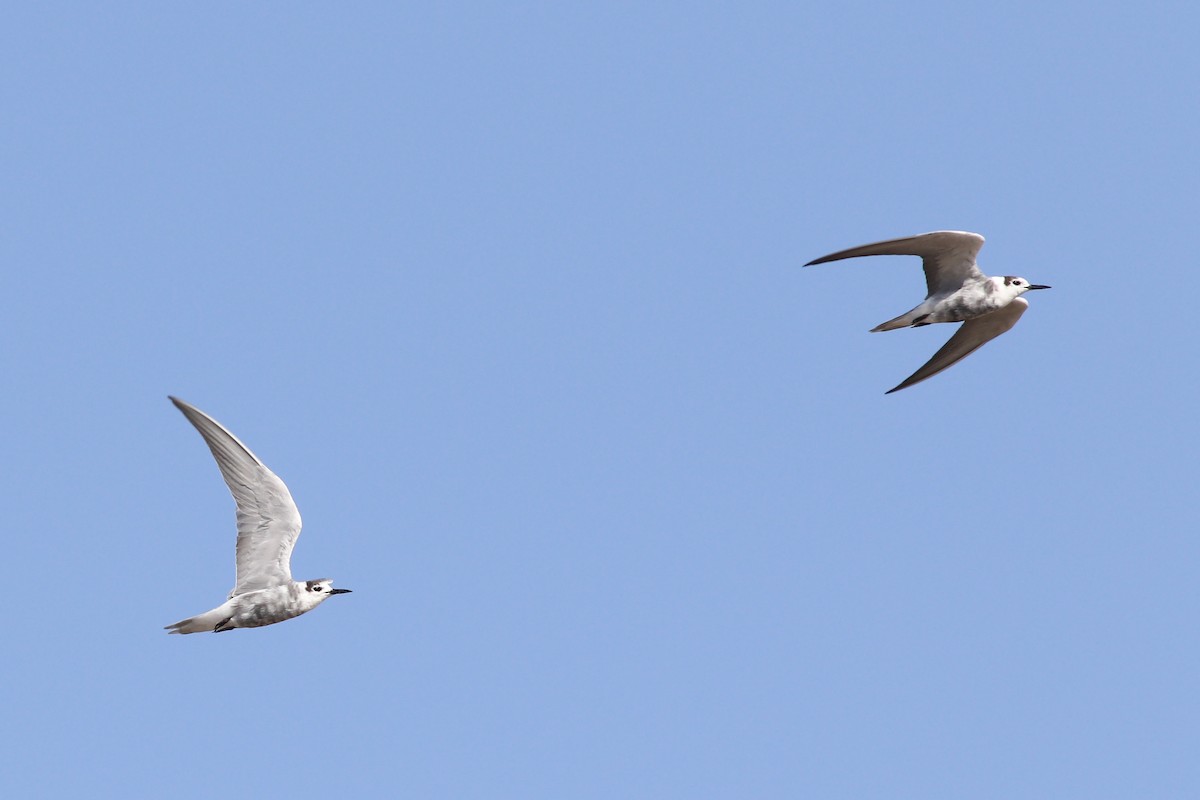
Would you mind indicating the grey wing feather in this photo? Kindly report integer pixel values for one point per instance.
(947, 256)
(268, 521)
(971, 335)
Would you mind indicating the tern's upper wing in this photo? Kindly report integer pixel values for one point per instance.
(971, 335)
(268, 521)
(948, 256)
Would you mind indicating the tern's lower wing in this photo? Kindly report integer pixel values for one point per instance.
(948, 256)
(971, 335)
(268, 521)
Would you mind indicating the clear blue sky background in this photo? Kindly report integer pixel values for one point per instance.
(511, 296)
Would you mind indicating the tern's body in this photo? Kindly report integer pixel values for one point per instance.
(268, 524)
(255, 609)
(957, 292)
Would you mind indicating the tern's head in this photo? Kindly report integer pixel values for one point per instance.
(1019, 286)
(322, 588)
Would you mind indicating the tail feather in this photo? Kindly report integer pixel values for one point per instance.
(905, 320)
(201, 623)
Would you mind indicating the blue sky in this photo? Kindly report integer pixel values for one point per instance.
(511, 296)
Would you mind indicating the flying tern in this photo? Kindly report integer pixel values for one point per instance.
(268, 524)
(957, 292)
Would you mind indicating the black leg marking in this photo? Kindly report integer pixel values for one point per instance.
(224, 625)
(918, 323)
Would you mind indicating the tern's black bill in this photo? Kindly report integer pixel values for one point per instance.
(339, 591)
(1039, 286)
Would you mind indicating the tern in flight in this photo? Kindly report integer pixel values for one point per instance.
(268, 523)
(958, 292)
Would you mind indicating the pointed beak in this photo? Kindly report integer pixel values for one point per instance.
(339, 591)
(1038, 286)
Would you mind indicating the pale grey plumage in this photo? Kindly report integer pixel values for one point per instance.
(957, 291)
(268, 521)
(972, 335)
(268, 525)
(947, 256)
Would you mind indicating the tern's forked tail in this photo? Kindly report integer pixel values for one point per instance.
(201, 623)
(905, 320)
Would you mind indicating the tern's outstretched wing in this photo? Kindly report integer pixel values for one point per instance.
(268, 521)
(971, 335)
(948, 256)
